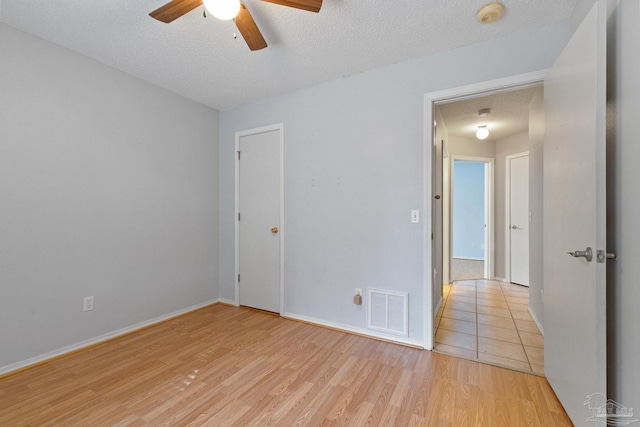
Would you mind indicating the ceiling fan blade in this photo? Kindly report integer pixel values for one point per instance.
(249, 30)
(310, 5)
(174, 9)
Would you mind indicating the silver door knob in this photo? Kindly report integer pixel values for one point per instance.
(587, 254)
(514, 227)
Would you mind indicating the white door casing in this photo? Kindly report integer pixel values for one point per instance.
(575, 218)
(259, 218)
(517, 196)
(430, 99)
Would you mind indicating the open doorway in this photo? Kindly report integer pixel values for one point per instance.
(471, 218)
(482, 316)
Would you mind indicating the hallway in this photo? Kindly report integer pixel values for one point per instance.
(489, 321)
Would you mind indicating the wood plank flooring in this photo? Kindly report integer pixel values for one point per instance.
(230, 366)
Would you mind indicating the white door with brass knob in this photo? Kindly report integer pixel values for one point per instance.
(258, 231)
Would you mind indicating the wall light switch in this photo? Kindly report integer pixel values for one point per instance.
(415, 216)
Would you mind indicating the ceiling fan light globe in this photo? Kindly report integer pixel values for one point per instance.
(222, 9)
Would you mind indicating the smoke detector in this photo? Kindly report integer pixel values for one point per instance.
(490, 12)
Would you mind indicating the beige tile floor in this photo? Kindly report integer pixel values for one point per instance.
(489, 321)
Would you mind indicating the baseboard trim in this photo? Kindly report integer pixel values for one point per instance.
(535, 319)
(500, 279)
(65, 351)
(435, 313)
(354, 330)
(227, 302)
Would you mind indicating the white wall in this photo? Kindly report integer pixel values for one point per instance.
(623, 196)
(354, 170)
(473, 147)
(580, 11)
(108, 187)
(504, 147)
(536, 143)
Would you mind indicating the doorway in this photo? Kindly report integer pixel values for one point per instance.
(259, 219)
(471, 218)
(435, 295)
(482, 316)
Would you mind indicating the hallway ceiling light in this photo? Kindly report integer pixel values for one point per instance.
(482, 132)
(490, 12)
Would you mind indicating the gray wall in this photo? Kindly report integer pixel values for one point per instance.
(536, 142)
(504, 147)
(360, 141)
(108, 188)
(623, 196)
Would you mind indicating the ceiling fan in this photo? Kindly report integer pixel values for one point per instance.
(230, 9)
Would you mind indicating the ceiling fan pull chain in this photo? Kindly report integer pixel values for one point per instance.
(204, 13)
(235, 36)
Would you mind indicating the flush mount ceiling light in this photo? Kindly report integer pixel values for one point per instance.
(222, 9)
(490, 12)
(482, 132)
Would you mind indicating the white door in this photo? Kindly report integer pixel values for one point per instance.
(518, 167)
(574, 218)
(259, 213)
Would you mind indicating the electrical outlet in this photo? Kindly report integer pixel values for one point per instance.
(87, 304)
(358, 291)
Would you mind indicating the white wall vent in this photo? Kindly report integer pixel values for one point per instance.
(388, 311)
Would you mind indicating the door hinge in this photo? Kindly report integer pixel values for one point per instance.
(238, 216)
(238, 278)
(238, 155)
(431, 236)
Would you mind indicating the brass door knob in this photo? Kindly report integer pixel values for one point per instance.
(274, 230)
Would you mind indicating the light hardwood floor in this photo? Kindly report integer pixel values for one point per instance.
(224, 365)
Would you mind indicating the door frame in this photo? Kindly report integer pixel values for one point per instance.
(275, 127)
(488, 209)
(475, 90)
(507, 205)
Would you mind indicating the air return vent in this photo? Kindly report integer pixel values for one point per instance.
(388, 311)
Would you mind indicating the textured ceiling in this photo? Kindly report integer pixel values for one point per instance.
(199, 58)
(509, 114)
